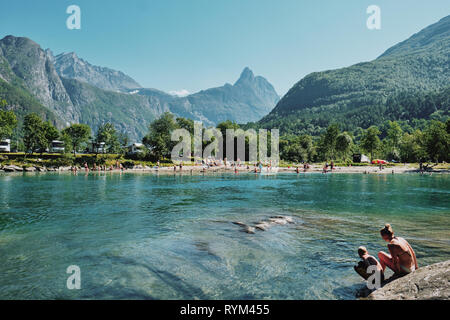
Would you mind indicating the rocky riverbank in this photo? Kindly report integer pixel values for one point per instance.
(427, 283)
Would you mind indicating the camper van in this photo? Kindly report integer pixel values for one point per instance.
(57, 147)
(96, 147)
(360, 158)
(5, 145)
(136, 148)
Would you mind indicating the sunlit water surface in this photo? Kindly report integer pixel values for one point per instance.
(138, 236)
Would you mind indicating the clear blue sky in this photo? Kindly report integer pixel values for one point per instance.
(197, 44)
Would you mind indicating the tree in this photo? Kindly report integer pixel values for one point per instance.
(394, 137)
(344, 144)
(107, 133)
(50, 132)
(77, 134)
(158, 139)
(437, 141)
(370, 140)
(124, 141)
(297, 148)
(187, 124)
(411, 147)
(34, 134)
(327, 142)
(8, 122)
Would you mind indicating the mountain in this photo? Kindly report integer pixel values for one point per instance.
(26, 66)
(249, 99)
(66, 89)
(69, 66)
(130, 114)
(22, 102)
(419, 64)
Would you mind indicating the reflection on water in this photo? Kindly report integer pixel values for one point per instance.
(171, 237)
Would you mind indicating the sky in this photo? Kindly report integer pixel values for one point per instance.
(190, 45)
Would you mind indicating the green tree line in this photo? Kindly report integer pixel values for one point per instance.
(390, 141)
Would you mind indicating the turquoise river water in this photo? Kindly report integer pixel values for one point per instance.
(144, 236)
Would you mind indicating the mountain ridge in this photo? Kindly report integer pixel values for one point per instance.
(412, 65)
(76, 91)
(69, 65)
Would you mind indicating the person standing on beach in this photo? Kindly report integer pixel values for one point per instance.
(401, 257)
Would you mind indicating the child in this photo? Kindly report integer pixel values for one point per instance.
(367, 260)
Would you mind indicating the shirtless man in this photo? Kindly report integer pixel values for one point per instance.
(401, 258)
(366, 261)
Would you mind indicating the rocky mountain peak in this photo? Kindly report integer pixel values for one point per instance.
(246, 76)
(69, 65)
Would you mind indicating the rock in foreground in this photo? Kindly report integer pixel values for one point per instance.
(427, 283)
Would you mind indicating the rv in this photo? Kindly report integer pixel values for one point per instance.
(5, 145)
(57, 146)
(136, 148)
(360, 158)
(96, 147)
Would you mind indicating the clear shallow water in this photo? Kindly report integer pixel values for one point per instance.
(171, 237)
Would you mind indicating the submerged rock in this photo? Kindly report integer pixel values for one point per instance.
(427, 283)
(264, 225)
(249, 229)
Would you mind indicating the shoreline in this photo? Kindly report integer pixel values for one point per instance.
(199, 170)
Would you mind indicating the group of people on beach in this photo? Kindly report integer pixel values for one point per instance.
(401, 258)
(96, 167)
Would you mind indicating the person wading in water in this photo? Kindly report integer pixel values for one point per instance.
(401, 257)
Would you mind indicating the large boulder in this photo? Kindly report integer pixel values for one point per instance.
(427, 283)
